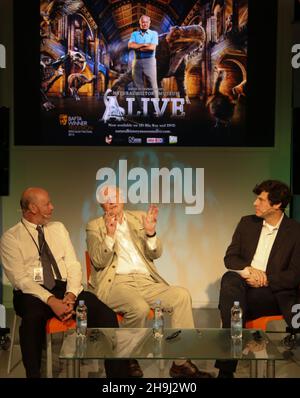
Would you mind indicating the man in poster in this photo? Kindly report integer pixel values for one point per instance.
(144, 42)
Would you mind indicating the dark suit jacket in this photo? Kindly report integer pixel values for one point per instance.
(283, 268)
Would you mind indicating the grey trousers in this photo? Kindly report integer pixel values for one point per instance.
(145, 67)
(134, 295)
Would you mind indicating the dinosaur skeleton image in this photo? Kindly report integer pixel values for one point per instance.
(113, 111)
(220, 106)
(51, 70)
(76, 81)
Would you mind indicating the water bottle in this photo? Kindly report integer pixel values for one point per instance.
(158, 322)
(237, 348)
(81, 318)
(236, 321)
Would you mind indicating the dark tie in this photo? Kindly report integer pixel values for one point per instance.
(47, 260)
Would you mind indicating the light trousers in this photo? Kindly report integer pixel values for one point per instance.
(133, 295)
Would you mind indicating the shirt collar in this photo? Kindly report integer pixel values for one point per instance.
(28, 224)
(272, 228)
(141, 32)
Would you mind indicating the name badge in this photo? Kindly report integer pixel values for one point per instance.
(38, 275)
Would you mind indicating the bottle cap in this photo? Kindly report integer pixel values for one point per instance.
(81, 302)
(158, 302)
(236, 303)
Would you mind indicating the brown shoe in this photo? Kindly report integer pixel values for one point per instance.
(188, 369)
(134, 369)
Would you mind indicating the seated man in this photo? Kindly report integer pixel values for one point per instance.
(264, 262)
(40, 262)
(122, 246)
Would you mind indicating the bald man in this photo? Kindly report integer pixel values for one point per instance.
(39, 296)
(144, 42)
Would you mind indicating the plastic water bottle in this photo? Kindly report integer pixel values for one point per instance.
(158, 322)
(236, 321)
(237, 348)
(81, 318)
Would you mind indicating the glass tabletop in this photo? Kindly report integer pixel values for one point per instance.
(113, 343)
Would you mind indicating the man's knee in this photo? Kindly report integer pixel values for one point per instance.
(140, 309)
(34, 321)
(231, 279)
(181, 295)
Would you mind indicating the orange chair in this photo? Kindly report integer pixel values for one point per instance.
(120, 316)
(262, 322)
(53, 325)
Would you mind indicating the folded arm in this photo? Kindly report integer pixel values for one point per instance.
(141, 47)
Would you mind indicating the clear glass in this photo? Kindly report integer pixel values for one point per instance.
(189, 343)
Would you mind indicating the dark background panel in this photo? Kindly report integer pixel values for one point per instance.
(4, 151)
(297, 10)
(262, 25)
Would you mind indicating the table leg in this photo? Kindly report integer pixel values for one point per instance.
(271, 368)
(77, 368)
(161, 367)
(70, 371)
(253, 369)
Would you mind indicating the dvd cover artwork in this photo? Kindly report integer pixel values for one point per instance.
(191, 86)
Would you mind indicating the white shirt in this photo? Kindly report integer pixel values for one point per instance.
(20, 256)
(129, 259)
(265, 243)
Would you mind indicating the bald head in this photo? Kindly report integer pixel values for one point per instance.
(145, 22)
(145, 17)
(36, 205)
(111, 199)
(110, 193)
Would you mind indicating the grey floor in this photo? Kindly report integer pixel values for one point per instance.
(203, 318)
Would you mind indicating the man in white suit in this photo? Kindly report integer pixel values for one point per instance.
(122, 246)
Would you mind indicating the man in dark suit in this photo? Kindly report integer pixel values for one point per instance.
(263, 261)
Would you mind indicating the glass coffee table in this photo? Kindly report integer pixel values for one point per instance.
(200, 344)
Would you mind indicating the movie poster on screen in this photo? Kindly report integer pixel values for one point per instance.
(95, 90)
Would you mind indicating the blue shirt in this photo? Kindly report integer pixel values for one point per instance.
(149, 37)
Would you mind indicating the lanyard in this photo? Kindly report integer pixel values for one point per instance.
(36, 245)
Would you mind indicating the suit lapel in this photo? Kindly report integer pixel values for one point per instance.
(279, 241)
(253, 239)
(102, 229)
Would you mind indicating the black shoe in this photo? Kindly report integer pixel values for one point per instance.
(134, 369)
(224, 374)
